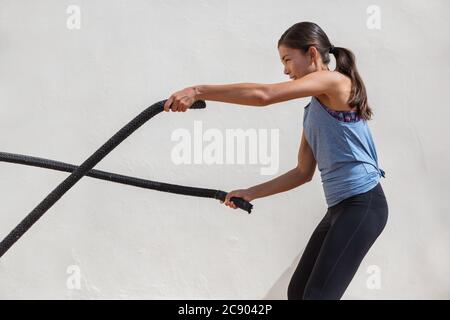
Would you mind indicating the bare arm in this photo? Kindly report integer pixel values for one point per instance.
(239, 93)
(312, 84)
(303, 173)
(291, 179)
(258, 94)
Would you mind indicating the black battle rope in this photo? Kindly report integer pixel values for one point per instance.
(86, 169)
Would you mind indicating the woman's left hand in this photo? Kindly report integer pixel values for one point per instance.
(245, 194)
(181, 100)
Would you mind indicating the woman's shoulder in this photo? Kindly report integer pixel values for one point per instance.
(337, 98)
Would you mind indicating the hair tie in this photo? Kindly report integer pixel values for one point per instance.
(332, 49)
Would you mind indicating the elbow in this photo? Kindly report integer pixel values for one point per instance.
(304, 177)
(263, 97)
(262, 100)
(309, 176)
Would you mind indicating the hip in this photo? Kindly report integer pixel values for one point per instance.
(375, 198)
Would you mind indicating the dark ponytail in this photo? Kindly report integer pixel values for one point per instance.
(303, 35)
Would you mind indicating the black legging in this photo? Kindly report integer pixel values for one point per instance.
(338, 245)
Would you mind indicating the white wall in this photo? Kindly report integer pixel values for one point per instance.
(64, 92)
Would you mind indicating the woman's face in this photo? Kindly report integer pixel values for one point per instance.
(296, 63)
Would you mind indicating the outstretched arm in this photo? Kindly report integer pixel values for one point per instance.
(313, 84)
(256, 94)
(251, 94)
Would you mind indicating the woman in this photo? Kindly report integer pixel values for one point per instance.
(335, 137)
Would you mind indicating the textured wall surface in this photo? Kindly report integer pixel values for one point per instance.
(74, 72)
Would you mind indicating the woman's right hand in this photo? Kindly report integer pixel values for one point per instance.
(245, 194)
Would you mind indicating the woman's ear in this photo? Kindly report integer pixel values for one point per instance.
(312, 53)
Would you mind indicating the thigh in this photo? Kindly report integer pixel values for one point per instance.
(355, 225)
(301, 274)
